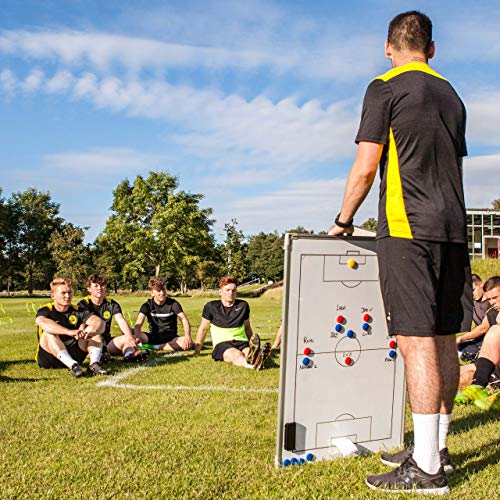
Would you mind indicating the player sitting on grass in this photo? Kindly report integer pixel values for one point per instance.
(162, 313)
(489, 355)
(469, 343)
(97, 303)
(229, 321)
(66, 335)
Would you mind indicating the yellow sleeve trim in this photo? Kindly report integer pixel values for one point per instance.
(395, 209)
(413, 66)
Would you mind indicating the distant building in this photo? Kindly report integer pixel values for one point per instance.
(483, 233)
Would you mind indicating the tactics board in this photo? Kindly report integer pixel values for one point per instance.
(341, 374)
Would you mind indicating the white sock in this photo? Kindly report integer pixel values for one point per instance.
(248, 365)
(65, 358)
(426, 431)
(128, 352)
(157, 347)
(95, 355)
(444, 424)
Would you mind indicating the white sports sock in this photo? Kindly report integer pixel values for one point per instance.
(444, 424)
(65, 358)
(426, 453)
(95, 355)
(157, 347)
(128, 352)
(248, 365)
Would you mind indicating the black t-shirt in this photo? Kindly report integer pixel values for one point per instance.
(479, 309)
(492, 315)
(70, 319)
(418, 117)
(105, 311)
(226, 317)
(162, 319)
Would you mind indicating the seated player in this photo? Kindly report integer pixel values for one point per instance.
(230, 329)
(162, 313)
(277, 340)
(66, 335)
(97, 303)
(489, 355)
(469, 343)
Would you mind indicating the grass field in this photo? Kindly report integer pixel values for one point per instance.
(180, 427)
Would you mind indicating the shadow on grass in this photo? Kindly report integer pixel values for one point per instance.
(7, 364)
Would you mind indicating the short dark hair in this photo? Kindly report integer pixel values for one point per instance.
(227, 280)
(476, 278)
(157, 284)
(493, 282)
(411, 30)
(96, 278)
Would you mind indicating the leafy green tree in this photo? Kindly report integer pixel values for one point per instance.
(496, 204)
(4, 225)
(370, 224)
(35, 218)
(72, 258)
(234, 251)
(154, 229)
(266, 254)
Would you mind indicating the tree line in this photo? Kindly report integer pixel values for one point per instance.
(155, 229)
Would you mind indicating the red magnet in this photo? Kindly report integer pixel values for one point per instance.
(367, 317)
(307, 351)
(340, 319)
(348, 360)
(392, 344)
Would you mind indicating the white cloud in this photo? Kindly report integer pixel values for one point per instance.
(33, 81)
(60, 82)
(483, 111)
(8, 81)
(482, 180)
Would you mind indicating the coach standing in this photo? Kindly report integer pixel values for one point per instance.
(413, 124)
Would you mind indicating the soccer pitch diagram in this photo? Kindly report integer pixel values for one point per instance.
(342, 377)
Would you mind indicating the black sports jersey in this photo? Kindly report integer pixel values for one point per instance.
(70, 319)
(226, 317)
(105, 311)
(492, 315)
(420, 119)
(162, 319)
(479, 309)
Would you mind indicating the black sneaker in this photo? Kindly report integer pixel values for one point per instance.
(261, 357)
(396, 459)
(96, 369)
(136, 356)
(254, 349)
(77, 370)
(409, 477)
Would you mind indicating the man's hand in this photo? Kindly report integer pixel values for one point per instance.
(197, 349)
(185, 342)
(340, 231)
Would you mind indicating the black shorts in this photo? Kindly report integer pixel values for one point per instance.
(161, 338)
(47, 360)
(220, 349)
(426, 286)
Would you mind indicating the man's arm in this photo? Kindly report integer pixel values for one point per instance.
(185, 342)
(93, 326)
(200, 336)
(359, 183)
(475, 332)
(138, 324)
(50, 326)
(124, 326)
(248, 328)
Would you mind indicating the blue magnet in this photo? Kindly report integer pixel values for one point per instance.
(306, 361)
(350, 334)
(338, 327)
(286, 462)
(294, 461)
(301, 461)
(366, 326)
(392, 353)
(309, 457)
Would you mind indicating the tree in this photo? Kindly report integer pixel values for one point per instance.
(234, 251)
(266, 254)
(71, 257)
(155, 229)
(496, 204)
(4, 225)
(35, 218)
(369, 224)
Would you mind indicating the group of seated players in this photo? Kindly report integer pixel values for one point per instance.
(68, 333)
(481, 348)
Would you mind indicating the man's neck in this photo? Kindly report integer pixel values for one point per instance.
(402, 58)
(227, 304)
(96, 300)
(158, 303)
(60, 308)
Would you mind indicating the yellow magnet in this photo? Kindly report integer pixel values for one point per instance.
(352, 263)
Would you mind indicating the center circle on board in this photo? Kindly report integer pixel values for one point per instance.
(347, 348)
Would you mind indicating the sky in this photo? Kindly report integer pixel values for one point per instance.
(254, 104)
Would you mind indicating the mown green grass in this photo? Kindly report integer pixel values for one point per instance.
(61, 437)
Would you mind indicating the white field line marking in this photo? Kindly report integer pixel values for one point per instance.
(116, 379)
